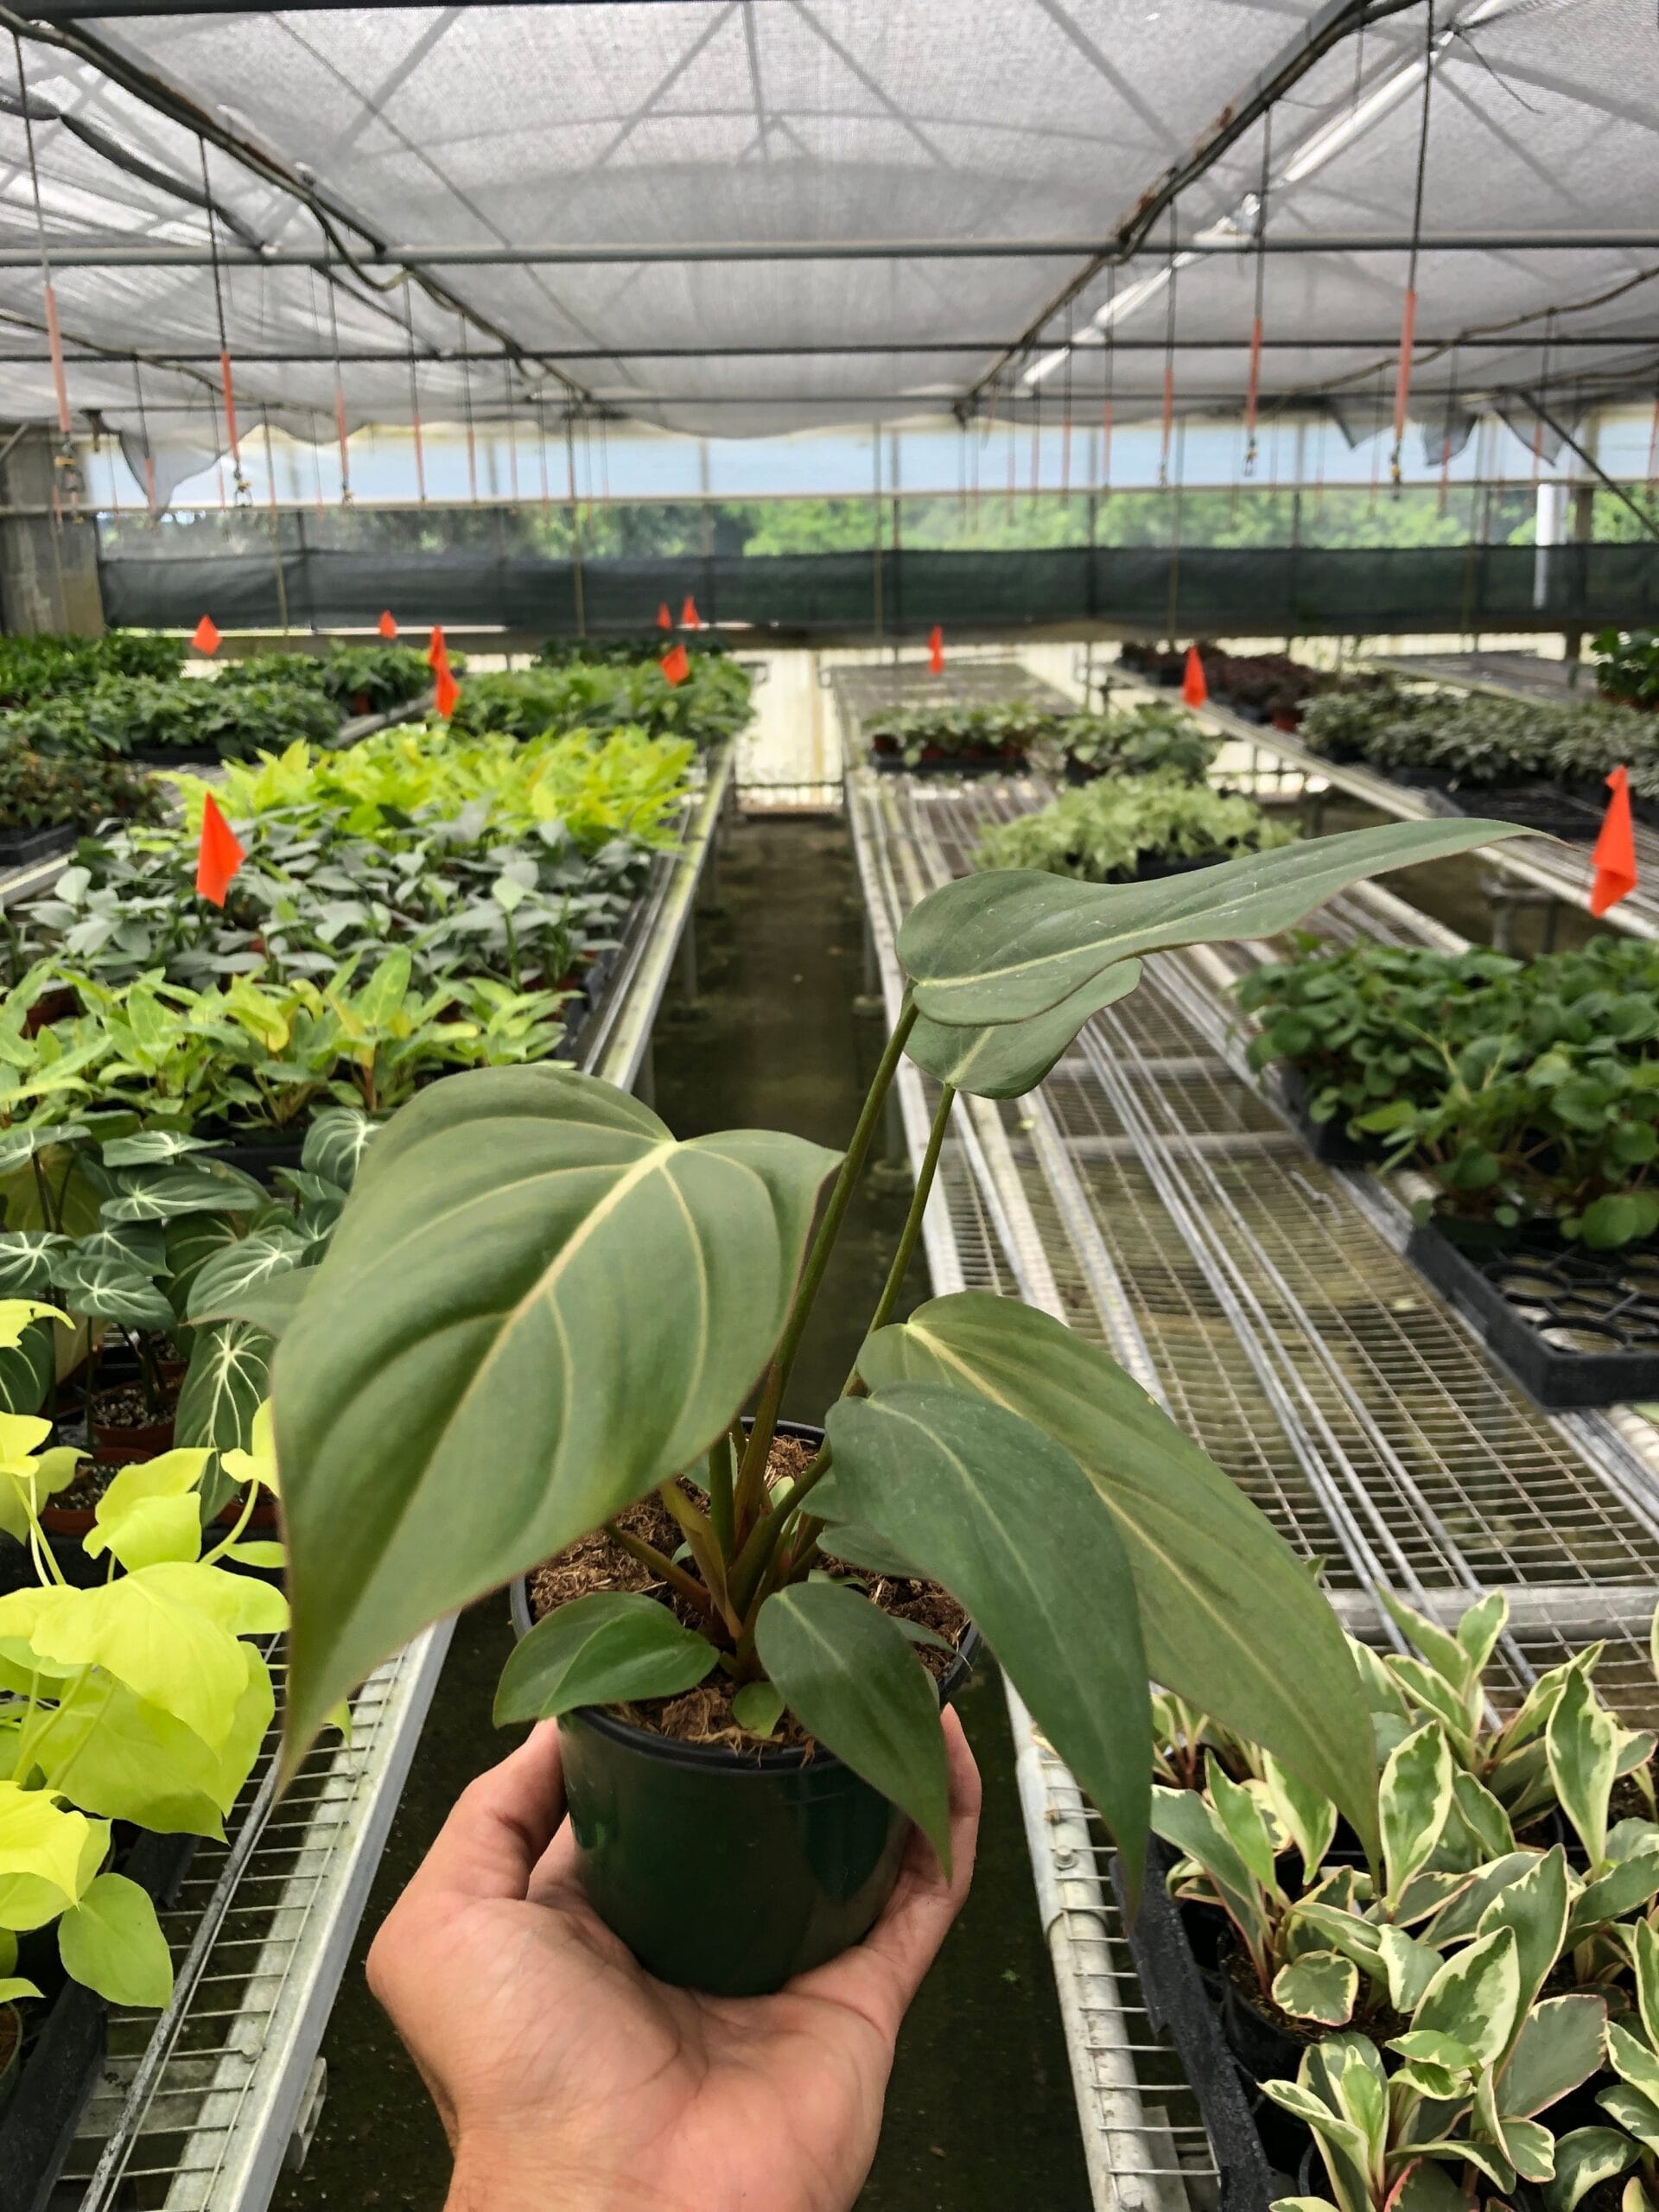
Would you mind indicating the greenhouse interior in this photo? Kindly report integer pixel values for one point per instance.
(980, 688)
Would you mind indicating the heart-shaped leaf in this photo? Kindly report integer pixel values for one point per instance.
(256, 1259)
(605, 1649)
(335, 1144)
(1231, 1618)
(224, 1385)
(852, 1680)
(990, 1506)
(1006, 945)
(536, 1304)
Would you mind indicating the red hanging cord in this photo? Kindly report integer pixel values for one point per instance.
(1408, 312)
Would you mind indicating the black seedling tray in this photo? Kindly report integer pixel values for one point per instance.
(64, 2055)
(1179, 2005)
(1526, 1296)
(951, 764)
(18, 847)
(1327, 1140)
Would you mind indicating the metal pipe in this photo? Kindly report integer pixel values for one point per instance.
(113, 253)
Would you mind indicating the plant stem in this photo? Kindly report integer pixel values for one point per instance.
(757, 1555)
(720, 1494)
(662, 1567)
(913, 1228)
(699, 1536)
(751, 1483)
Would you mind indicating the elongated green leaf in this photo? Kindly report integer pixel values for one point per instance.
(113, 1942)
(1187, 1819)
(605, 1649)
(1585, 2157)
(225, 1384)
(151, 1147)
(1644, 1956)
(1011, 1057)
(853, 1680)
(1583, 1742)
(1623, 1890)
(1306, 1816)
(1414, 1800)
(1004, 946)
(1535, 1908)
(1232, 1620)
(1011, 1525)
(165, 1194)
(1241, 1816)
(1558, 2046)
(536, 1304)
(1410, 1967)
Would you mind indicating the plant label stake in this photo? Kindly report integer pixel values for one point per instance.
(1614, 857)
(218, 855)
(936, 650)
(1195, 692)
(205, 637)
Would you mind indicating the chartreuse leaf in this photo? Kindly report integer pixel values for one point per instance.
(605, 1649)
(1583, 1744)
(1006, 945)
(150, 1512)
(1232, 1621)
(113, 1942)
(1476, 1996)
(17, 1314)
(536, 1304)
(44, 1852)
(1585, 2157)
(854, 1682)
(1012, 1058)
(1318, 1985)
(1414, 1802)
(757, 1706)
(994, 1510)
(1558, 2046)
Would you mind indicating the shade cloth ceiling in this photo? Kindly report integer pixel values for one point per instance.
(749, 123)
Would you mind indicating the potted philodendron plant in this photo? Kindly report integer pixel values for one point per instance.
(535, 1335)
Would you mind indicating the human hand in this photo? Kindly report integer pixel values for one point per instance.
(569, 2080)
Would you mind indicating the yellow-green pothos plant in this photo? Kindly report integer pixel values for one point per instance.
(539, 1307)
(141, 1698)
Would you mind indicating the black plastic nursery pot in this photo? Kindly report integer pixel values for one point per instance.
(722, 1870)
(1327, 1140)
(18, 847)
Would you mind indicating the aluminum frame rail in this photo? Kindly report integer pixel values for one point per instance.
(1150, 1197)
(200, 2109)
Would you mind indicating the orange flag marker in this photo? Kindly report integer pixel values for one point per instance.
(936, 650)
(205, 637)
(1194, 690)
(688, 616)
(664, 620)
(676, 663)
(1614, 857)
(437, 653)
(386, 627)
(448, 691)
(219, 854)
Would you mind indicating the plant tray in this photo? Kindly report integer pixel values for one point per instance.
(1179, 2006)
(18, 847)
(951, 764)
(1578, 1329)
(1327, 1140)
(177, 756)
(64, 2057)
(1548, 808)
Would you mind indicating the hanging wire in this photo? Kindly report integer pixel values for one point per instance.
(1377, 424)
(66, 469)
(466, 404)
(144, 433)
(340, 393)
(1653, 447)
(1169, 353)
(1543, 397)
(1252, 388)
(1011, 459)
(415, 394)
(1111, 384)
(244, 490)
(1066, 418)
(1446, 439)
(541, 447)
(512, 441)
(1036, 443)
(1408, 311)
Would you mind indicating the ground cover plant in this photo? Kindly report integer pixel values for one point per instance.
(125, 715)
(46, 667)
(1525, 1091)
(1137, 740)
(710, 703)
(1476, 739)
(915, 734)
(44, 790)
(359, 679)
(612, 1302)
(1111, 830)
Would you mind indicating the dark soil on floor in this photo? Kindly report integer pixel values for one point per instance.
(980, 2116)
